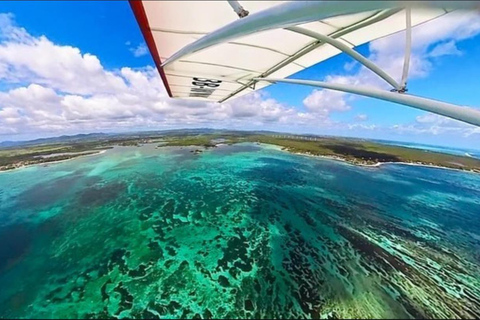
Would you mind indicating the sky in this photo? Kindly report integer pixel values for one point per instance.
(69, 67)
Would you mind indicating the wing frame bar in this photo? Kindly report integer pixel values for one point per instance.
(408, 49)
(377, 16)
(237, 7)
(298, 12)
(352, 53)
(465, 114)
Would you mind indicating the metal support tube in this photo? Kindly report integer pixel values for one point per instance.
(298, 12)
(408, 49)
(464, 114)
(239, 10)
(366, 22)
(352, 53)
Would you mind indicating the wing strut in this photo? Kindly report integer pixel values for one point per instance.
(408, 49)
(465, 114)
(297, 12)
(371, 19)
(352, 53)
(237, 7)
(342, 47)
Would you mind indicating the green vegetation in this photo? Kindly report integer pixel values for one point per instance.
(57, 149)
(200, 140)
(19, 157)
(355, 151)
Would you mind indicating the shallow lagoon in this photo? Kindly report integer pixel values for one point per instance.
(237, 231)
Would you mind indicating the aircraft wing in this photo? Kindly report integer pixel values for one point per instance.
(227, 69)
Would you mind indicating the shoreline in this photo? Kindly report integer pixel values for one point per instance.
(55, 161)
(344, 160)
(379, 164)
(279, 148)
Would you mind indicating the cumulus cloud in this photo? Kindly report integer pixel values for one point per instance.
(444, 49)
(363, 126)
(28, 59)
(140, 50)
(66, 90)
(434, 124)
(361, 117)
(324, 102)
(349, 66)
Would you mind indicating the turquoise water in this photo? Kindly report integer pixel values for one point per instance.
(237, 231)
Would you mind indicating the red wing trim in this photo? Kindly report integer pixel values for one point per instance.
(142, 20)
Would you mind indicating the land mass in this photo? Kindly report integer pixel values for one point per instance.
(355, 151)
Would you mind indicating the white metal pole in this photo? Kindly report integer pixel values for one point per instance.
(346, 49)
(465, 114)
(237, 7)
(298, 12)
(408, 48)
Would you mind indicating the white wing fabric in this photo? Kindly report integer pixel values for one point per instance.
(226, 70)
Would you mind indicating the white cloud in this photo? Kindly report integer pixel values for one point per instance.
(433, 124)
(66, 90)
(24, 58)
(362, 126)
(323, 102)
(436, 124)
(140, 50)
(259, 105)
(444, 49)
(361, 117)
(349, 66)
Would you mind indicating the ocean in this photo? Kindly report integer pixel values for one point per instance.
(241, 231)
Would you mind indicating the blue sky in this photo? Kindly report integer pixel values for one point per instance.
(86, 56)
(98, 27)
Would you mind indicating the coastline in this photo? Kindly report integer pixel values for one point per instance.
(354, 163)
(53, 162)
(279, 148)
(378, 164)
